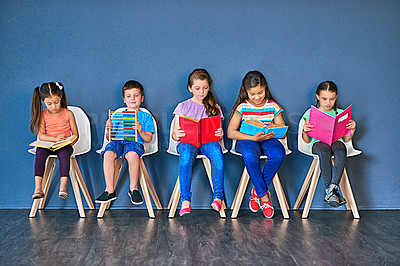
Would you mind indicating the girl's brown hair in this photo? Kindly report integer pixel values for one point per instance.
(326, 86)
(39, 94)
(209, 101)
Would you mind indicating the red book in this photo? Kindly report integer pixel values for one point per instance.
(199, 132)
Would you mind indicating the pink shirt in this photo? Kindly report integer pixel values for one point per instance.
(56, 125)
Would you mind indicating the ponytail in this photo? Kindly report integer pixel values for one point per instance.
(36, 110)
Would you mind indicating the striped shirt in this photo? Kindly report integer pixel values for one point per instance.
(266, 113)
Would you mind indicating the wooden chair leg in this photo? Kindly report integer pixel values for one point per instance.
(281, 196)
(48, 176)
(77, 192)
(311, 191)
(174, 199)
(207, 166)
(146, 195)
(237, 201)
(306, 185)
(82, 183)
(150, 185)
(173, 192)
(345, 186)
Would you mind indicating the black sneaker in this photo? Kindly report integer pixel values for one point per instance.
(106, 197)
(331, 197)
(340, 198)
(135, 196)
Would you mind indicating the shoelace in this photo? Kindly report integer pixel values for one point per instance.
(255, 199)
(266, 205)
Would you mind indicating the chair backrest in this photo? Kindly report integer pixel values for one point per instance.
(305, 147)
(149, 148)
(173, 143)
(283, 141)
(83, 145)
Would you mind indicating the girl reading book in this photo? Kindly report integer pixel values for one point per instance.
(53, 124)
(201, 105)
(256, 102)
(326, 97)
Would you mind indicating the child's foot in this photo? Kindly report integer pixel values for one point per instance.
(186, 208)
(38, 195)
(216, 205)
(267, 208)
(331, 196)
(106, 197)
(135, 196)
(62, 194)
(254, 203)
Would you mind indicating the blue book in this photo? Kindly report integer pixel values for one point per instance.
(252, 127)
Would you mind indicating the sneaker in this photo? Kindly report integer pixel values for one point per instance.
(185, 211)
(106, 197)
(135, 196)
(216, 206)
(267, 208)
(331, 196)
(340, 198)
(254, 203)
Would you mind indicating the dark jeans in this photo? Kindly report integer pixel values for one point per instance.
(63, 155)
(325, 152)
(251, 152)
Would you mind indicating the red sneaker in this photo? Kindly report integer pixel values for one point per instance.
(267, 208)
(254, 203)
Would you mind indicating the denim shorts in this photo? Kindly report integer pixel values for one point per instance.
(120, 148)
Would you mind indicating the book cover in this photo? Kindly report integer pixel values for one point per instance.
(53, 146)
(199, 132)
(327, 128)
(252, 127)
(123, 122)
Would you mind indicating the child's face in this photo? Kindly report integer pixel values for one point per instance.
(133, 98)
(200, 89)
(256, 95)
(326, 100)
(53, 103)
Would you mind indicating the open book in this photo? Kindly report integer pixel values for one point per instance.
(123, 122)
(327, 128)
(199, 132)
(53, 146)
(252, 127)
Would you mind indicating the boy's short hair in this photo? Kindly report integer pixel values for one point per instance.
(131, 84)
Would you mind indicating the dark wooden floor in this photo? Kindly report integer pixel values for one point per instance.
(129, 237)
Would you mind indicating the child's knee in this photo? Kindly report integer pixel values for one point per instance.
(132, 156)
(109, 156)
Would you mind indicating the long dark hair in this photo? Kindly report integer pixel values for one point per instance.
(326, 86)
(39, 94)
(209, 102)
(252, 79)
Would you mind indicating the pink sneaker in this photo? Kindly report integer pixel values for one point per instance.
(254, 203)
(185, 211)
(216, 206)
(267, 208)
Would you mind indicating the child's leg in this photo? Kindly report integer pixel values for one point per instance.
(324, 153)
(40, 161)
(213, 151)
(275, 153)
(109, 168)
(133, 164)
(251, 152)
(187, 154)
(339, 151)
(64, 155)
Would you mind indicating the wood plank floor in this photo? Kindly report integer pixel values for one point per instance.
(129, 237)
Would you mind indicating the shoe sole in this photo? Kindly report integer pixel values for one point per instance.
(105, 201)
(332, 203)
(133, 202)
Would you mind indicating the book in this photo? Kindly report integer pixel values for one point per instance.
(53, 146)
(252, 127)
(123, 122)
(327, 128)
(199, 132)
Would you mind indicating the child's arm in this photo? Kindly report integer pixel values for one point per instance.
(352, 126)
(42, 134)
(234, 133)
(109, 126)
(74, 128)
(146, 136)
(177, 133)
(307, 127)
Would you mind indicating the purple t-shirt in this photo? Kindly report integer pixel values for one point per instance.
(193, 110)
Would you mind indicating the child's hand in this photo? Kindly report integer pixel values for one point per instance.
(137, 126)
(307, 127)
(261, 136)
(60, 137)
(351, 125)
(219, 132)
(179, 133)
(109, 124)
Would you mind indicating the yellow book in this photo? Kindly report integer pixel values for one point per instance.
(53, 146)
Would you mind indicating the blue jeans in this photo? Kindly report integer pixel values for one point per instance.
(325, 153)
(251, 152)
(187, 154)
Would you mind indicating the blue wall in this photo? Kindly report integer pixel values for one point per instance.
(93, 47)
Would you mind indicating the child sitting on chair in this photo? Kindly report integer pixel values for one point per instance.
(132, 93)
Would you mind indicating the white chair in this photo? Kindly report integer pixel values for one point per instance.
(244, 180)
(144, 179)
(174, 200)
(311, 180)
(82, 146)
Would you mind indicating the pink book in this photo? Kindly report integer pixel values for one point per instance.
(329, 129)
